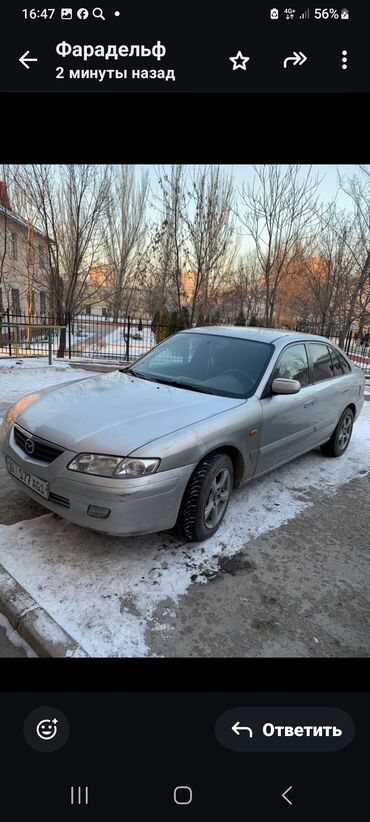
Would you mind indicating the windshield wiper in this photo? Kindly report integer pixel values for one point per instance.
(172, 382)
(188, 386)
(136, 374)
(128, 370)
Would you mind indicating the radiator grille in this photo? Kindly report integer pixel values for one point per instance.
(43, 451)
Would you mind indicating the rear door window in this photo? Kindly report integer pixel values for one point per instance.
(344, 363)
(337, 366)
(321, 362)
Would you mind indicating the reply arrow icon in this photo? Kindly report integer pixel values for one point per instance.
(237, 728)
(25, 59)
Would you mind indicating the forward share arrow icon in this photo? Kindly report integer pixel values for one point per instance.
(297, 59)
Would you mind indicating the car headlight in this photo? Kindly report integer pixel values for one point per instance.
(103, 466)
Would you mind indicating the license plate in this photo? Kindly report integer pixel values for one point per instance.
(35, 483)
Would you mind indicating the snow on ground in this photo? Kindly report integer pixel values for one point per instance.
(17, 377)
(31, 362)
(14, 638)
(115, 342)
(105, 590)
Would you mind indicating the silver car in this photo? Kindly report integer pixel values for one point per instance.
(164, 442)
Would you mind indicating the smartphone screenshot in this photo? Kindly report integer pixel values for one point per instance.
(184, 411)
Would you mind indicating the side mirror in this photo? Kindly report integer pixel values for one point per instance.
(283, 386)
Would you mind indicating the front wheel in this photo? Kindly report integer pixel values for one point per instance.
(206, 498)
(340, 439)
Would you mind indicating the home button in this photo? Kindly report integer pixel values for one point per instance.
(183, 795)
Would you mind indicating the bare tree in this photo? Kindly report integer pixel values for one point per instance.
(125, 236)
(5, 207)
(358, 299)
(169, 246)
(246, 286)
(211, 239)
(194, 244)
(329, 274)
(281, 207)
(69, 202)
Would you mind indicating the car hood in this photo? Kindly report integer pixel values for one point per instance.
(115, 413)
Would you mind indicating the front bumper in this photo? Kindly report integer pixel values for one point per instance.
(137, 506)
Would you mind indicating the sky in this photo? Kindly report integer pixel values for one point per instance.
(245, 173)
(328, 173)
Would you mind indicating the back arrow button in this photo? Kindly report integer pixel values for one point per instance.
(284, 795)
(25, 59)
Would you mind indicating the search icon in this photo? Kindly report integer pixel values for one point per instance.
(98, 13)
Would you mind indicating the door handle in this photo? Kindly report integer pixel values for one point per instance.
(308, 403)
(345, 391)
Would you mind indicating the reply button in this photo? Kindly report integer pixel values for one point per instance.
(284, 729)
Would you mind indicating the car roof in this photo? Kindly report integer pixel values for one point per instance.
(267, 335)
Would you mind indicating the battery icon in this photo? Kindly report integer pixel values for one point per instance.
(344, 15)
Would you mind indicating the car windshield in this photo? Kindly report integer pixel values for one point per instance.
(215, 364)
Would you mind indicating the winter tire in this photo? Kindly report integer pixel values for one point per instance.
(206, 498)
(340, 439)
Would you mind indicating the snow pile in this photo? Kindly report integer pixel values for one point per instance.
(31, 362)
(14, 638)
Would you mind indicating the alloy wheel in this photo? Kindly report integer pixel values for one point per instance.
(345, 431)
(218, 498)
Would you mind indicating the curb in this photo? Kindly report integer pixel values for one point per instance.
(33, 623)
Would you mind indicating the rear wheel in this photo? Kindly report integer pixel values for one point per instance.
(340, 439)
(206, 498)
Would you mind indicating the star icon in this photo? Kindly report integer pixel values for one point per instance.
(239, 61)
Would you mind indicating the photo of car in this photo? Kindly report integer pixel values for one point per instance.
(163, 443)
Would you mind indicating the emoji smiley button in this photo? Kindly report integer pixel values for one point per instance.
(46, 729)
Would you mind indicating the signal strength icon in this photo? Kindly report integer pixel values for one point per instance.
(305, 15)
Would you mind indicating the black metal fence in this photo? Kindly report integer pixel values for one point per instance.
(357, 347)
(90, 336)
(107, 338)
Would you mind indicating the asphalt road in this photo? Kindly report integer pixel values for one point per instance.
(300, 590)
